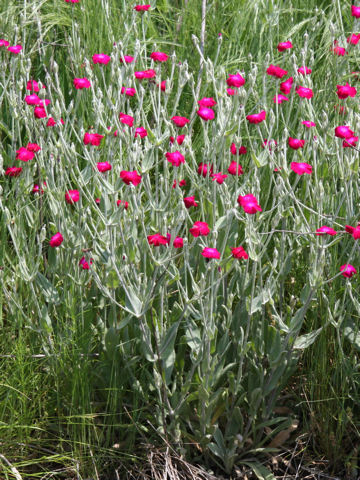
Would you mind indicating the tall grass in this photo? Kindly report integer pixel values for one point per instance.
(157, 344)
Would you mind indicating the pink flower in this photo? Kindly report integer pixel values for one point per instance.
(235, 169)
(72, 196)
(344, 91)
(142, 8)
(127, 59)
(157, 239)
(308, 124)
(15, 49)
(218, 177)
(235, 80)
(269, 144)
(180, 121)
(340, 51)
(178, 242)
(207, 102)
(140, 132)
(145, 74)
(4, 43)
(175, 158)
(284, 46)
(304, 92)
(231, 91)
(101, 58)
(190, 202)
(33, 85)
(33, 147)
(56, 240)
(24, 154)
(130, 177)
(285, 87)
(280, 98)
(237, 151)
(350, 142)
(301, 168)
(103, 166)
(353, 39)
(304, 70)
(51, 122)
(130, 92)
(123, 203)
(204, 169)
(206, 113)
(296, 143)
(80, 83)
(126, 119)
(239, 252)
(343, 131)
(249, 203)
(355, 11)
(39, 112)
(257, 117)
(325, 230)
(37, 189)
(32, 99)
(179, 139)
(159, 57)
(209, 252)
(275, 71)
(163, 86)
(199, 229)
(355, 231)
(93, 139)
(72, 1)
(84, 264)
(182, 183)
(348, 270)
(13, 171)
(44, 103)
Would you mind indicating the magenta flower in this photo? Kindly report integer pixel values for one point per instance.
(84, 264)
(308, 124)
(178, 242)
(204, 169)
(218, 177)
(301, 168)
(353, 39)
(80, 83)
(32, 99)
(325, 231)
(159, 57)
(249, 203)
(56, 240)
(235, 80)
(101, 58)
(304, 92)
(39, 112)
(182, 183)
(13, 171)
(190, 202)
(199, 229)
(127, 59)
(24, 154)
(179, 139)
(206, 113)
(209, 252)
(343, 131)
(257, 117)
(33, 85)
(103, 166)
(145, 74)
(163, 86)
(157, 239)
(180, 121)
(296, 143)
(235, 169)
(207, 102)
(350, 142)
(130, 177)
(142, 8)
(284, 46)
(280, 98)
(348, 270)
(175, 158)
(72, 196)
(285, 87)
(126, 119)
(123, 203)
(4, 43)
(140, 132)
(93, 139)
(44, 103)
(344, 91)
(33, 147)
(355, 11)
(231, 91)
(130, 92)
(276, 71)
(269, 144)
(239, 252)
(72, 1)
(237, 151)
(15, 49)
(304, 70)
(354, 231)
(51, 122)
(340, 51)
